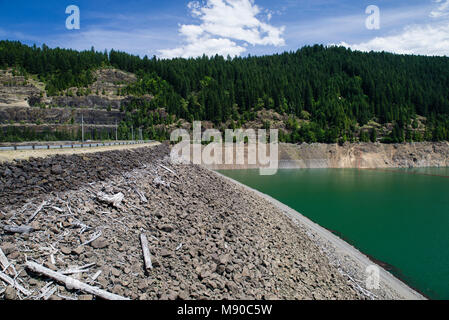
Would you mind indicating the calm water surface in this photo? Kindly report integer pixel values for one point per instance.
(400, 217)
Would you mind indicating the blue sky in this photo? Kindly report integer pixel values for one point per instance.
(237, 27)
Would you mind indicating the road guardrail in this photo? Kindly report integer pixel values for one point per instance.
(72, 145)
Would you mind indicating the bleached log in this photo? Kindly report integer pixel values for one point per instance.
(143, 199)
(5, 265)
(146, 252)
(87, 266)
(95, 237)
(75, 270)
(45, 290)
(96, 275)
(79, 224)
(71, 283)
(57, 209)
(50, 293)
(159, 182)
(364, 291)
(14, 284)
(3, 260)
(114, 200)
(68, 207)
(169, 170)
(39, 209)
(21, 229)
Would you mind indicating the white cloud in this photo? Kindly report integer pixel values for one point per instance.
(442, 10)
(430, 38)
(223, 23)
(205, 46)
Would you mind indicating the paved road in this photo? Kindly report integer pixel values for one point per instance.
(72, 146)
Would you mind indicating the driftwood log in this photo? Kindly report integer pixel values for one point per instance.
(146, 252)
(143, 199)
(168, 169)
(71, 283)
(43, 204)
(114, 200)
(14, 284)
(21, 229)
(4, 263)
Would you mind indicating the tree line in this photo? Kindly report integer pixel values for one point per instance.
(334, 90)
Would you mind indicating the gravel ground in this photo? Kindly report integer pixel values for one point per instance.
(209, 238)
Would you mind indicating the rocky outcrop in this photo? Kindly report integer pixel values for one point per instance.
(109, 80)
(15, 90)
(59, 115)
(91, 101)
(18, 93)
(25, 105)
(365, 155)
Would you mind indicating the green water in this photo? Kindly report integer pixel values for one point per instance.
(400, 217)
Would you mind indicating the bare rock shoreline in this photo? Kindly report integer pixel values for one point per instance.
(357, 155)
(367, 155)
(209, 238)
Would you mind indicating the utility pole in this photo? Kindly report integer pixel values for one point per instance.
(132, 133)
(140, 134)
(82, 128)
(116, 128)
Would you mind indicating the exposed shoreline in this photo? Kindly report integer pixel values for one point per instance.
(350, 260)
(355, 155)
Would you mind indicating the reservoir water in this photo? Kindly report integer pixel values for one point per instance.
(397, 216)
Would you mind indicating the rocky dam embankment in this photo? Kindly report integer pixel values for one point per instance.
(208, 237)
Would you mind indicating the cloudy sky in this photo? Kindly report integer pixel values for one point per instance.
(178, 28)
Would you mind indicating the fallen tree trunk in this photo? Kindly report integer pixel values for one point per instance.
(14, 284)
(22, 229)
(43, 204)
(146, 252)
(71, 283)
(4, 263)
(169, 170)
(114, 200)
(143, 199)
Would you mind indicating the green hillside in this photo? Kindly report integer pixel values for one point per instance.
(329, 94)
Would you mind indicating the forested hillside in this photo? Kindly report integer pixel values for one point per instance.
(331, 94)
